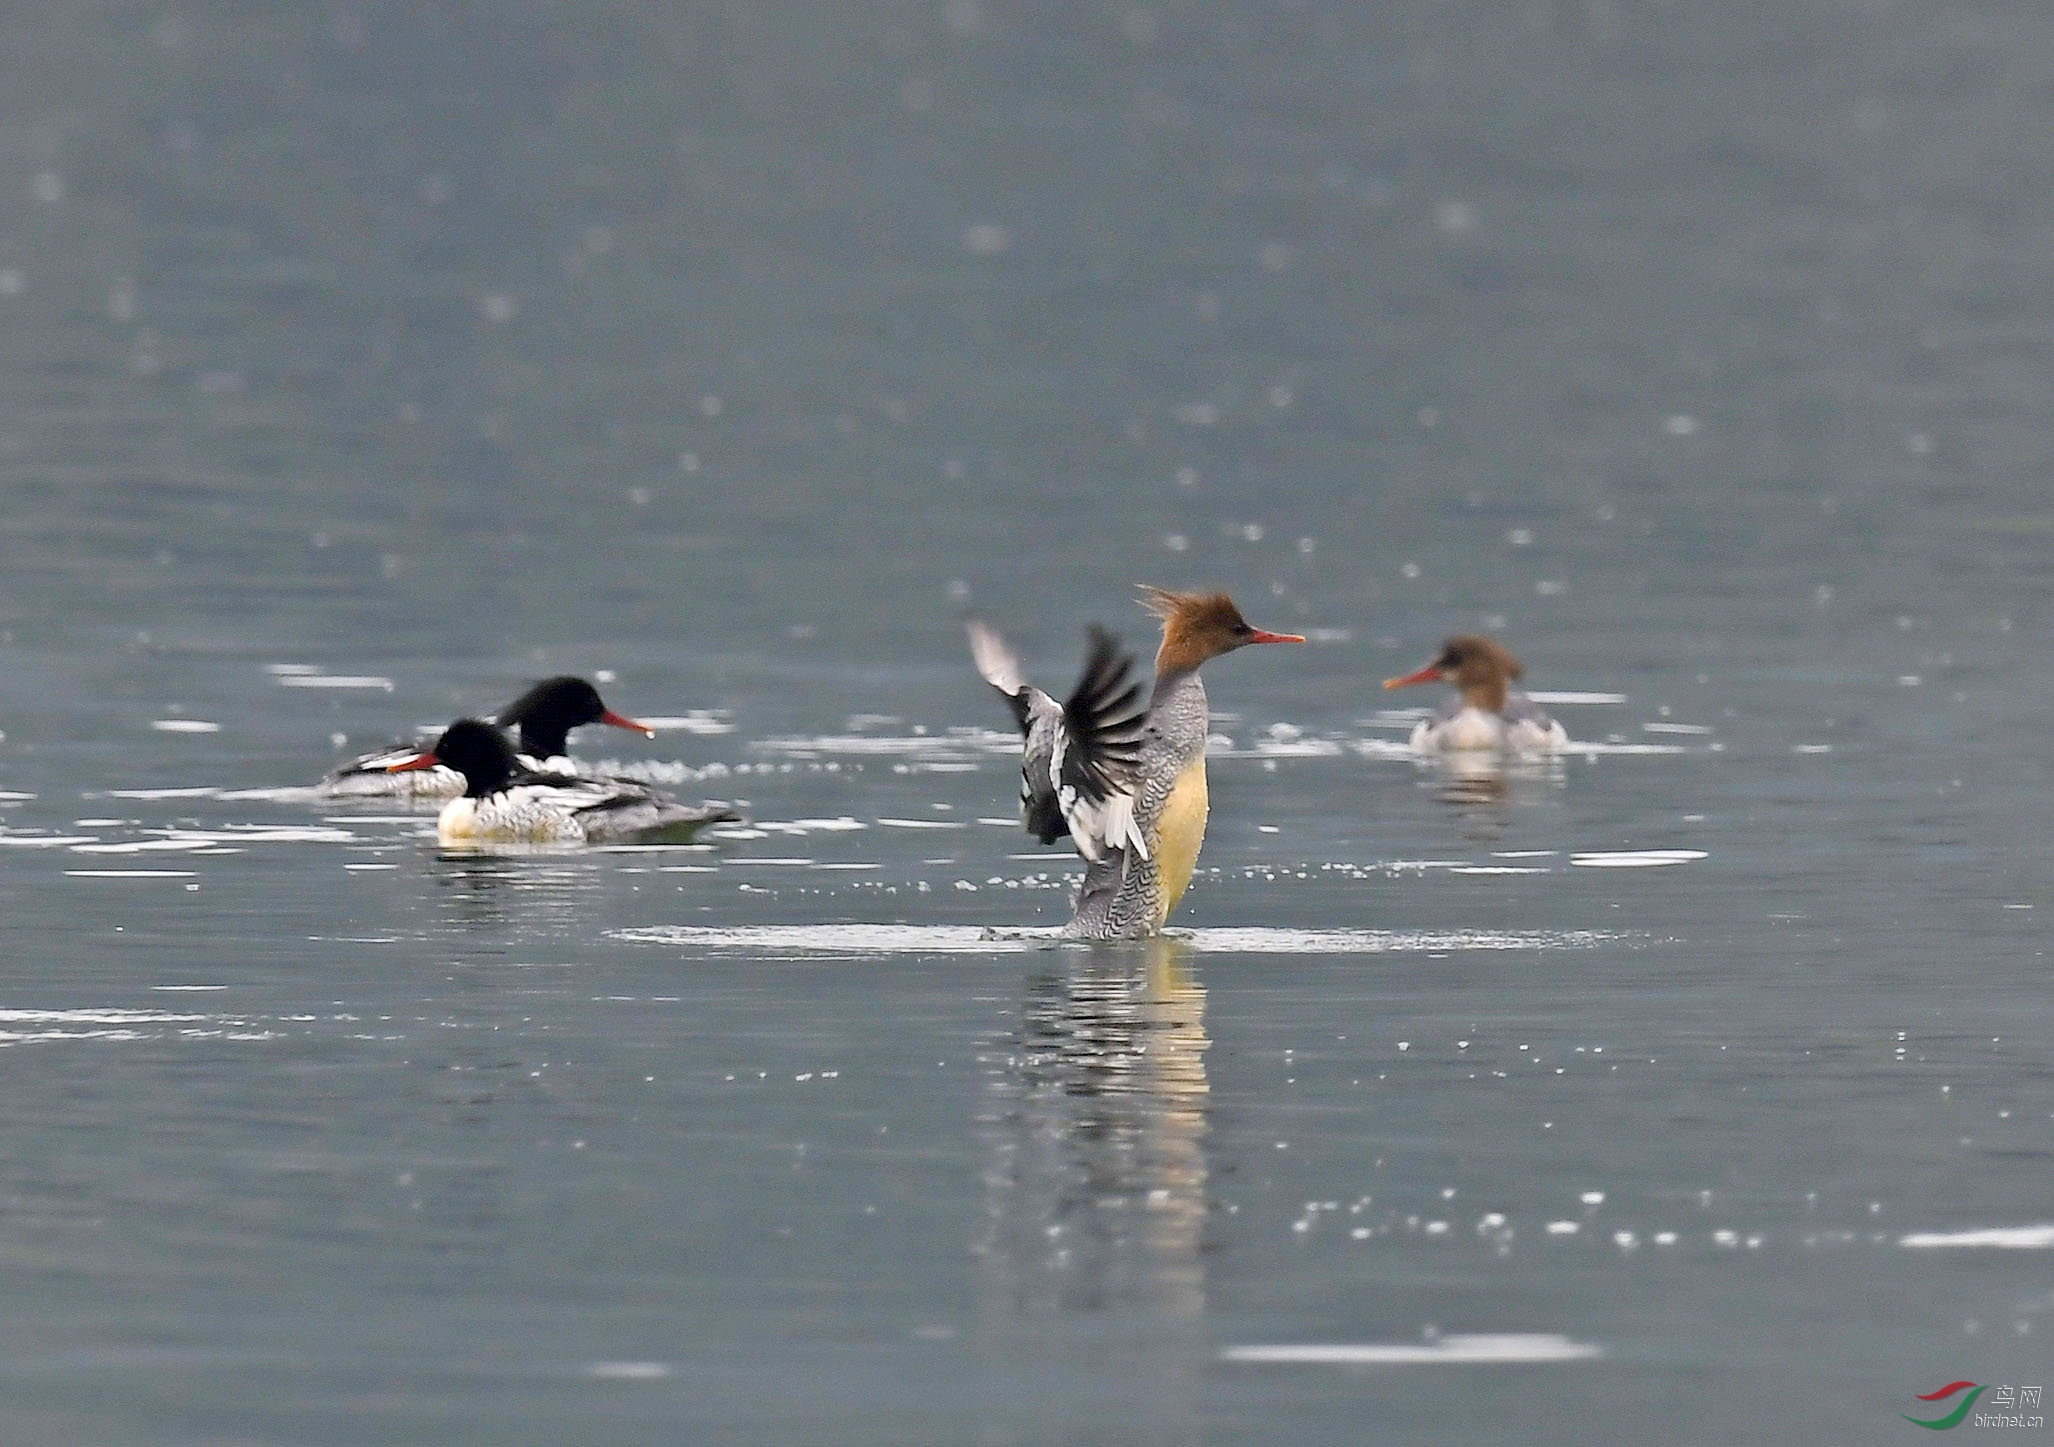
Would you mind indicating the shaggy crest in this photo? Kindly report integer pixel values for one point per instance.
(1193, 610)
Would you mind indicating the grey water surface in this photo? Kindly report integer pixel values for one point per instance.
(360, 363)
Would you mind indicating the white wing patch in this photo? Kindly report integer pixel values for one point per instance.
(1109, 824)
(1095, 826)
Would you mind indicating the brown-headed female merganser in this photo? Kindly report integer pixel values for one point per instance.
(505, 802)
(1126, 783)
(1486, 712)
(544, 716)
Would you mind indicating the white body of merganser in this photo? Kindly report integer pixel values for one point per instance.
(1124, 781)
(544, 716)
(505, 803)
(1487, 711)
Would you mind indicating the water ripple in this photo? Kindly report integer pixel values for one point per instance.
(885, 939)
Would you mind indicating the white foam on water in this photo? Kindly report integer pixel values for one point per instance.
(334, 680)
(955, 741)
(1284, 749)
(99, 1017)
(1498, 869)
(203, 792)
(142, 846)
(627, 1371)
(880, 939)
(39, 1027)
(1479, 1349)
(192, 840)
(268, 834)
(1381, 749)
(842, 825)
(2001, 1238)
(655, 771)
(701, 722)
(131, 873)
(1636, 858)
(1260, 941)
(922, 824)
(1594, 750)
(1570, 695)
(979, 940)
(43, 841)
(184, 726)
(291, 670)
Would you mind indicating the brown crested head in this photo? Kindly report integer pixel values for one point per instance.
(1198, 626)
(1483, 669)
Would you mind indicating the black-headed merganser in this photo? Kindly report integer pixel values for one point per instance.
(505, 802)
(1486, 711)
(1124, 781)
(544, 716)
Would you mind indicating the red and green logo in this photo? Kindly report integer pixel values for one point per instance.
(1954, 1418)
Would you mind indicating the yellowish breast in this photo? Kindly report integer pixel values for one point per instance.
(1179, 830)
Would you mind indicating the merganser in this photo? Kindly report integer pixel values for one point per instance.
(544, 715)
(1126, 783)
(505, 802)
(1486, 712)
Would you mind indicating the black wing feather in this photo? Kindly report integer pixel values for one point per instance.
(1104, 718)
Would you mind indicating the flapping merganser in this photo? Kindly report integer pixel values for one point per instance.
(544, 716)
(505, 802)
(1486, 712)
(1125, 782)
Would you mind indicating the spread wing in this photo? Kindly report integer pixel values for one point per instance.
(1079, 769)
